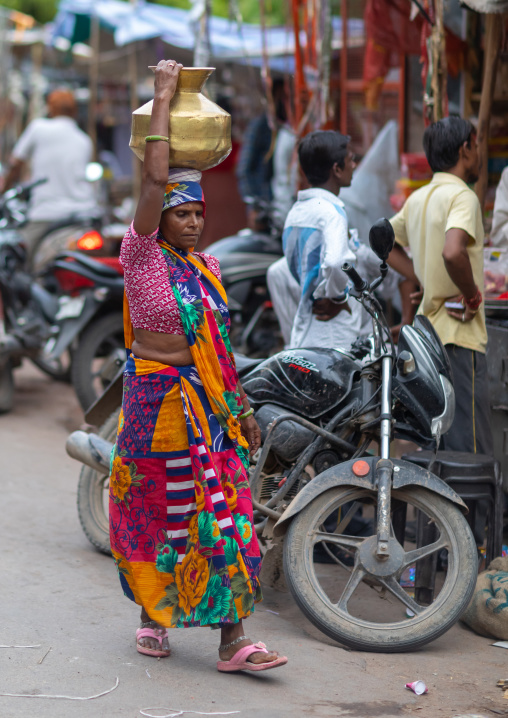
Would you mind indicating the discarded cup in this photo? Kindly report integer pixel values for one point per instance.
(417, 687)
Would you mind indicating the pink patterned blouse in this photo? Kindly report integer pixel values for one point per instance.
(152, 303)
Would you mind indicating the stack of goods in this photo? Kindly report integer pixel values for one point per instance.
(415, 173)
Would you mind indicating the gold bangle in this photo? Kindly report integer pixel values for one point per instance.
(156, 138)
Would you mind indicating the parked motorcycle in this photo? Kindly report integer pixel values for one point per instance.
(91, 321)
(97, 233)
(244, 260)
(319, 411)
(27, 311)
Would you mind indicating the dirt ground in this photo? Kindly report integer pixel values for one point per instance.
(62, 596)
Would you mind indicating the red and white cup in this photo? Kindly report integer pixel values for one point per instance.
(417, 687)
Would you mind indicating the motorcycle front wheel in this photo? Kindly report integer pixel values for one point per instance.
(369, 604)
(93, 495)
(95, 363)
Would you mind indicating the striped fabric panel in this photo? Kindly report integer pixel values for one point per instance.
(180, 495)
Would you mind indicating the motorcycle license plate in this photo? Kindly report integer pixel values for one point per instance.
(70, 307)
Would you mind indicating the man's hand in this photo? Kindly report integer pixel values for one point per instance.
(461, 315)
(325, 309)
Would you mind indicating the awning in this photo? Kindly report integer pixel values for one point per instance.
(130, 22)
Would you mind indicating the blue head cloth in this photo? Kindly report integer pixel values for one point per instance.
(183, 186)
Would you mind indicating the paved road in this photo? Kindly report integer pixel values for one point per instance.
(57, 591)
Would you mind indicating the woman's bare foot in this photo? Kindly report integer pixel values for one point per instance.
(152, 643)
(232, 633)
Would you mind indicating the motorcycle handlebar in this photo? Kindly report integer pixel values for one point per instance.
(359, 284)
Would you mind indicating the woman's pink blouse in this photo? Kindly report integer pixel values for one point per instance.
(151, 300)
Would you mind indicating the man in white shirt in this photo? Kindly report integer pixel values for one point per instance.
(57, 150)
(316, 245)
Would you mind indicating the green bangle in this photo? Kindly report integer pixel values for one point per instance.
(246, 414)
(156, 138)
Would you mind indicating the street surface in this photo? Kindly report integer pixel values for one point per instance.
(57, 591)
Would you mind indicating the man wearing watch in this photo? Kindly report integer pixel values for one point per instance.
(441, 224)
(316, 244)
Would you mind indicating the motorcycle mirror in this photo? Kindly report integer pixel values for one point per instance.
(94, 171)
(382, 238)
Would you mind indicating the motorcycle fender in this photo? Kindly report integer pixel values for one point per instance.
(72, 327)
(343, 475)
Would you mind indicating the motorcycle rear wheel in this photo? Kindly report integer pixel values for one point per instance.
(93, 495)
(338, 601)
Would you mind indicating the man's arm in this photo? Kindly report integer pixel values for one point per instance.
(457, 262)
(461, 227)
(402, 264)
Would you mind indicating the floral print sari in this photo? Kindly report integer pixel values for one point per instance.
(181, 522)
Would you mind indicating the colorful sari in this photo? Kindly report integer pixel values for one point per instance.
(181, 521)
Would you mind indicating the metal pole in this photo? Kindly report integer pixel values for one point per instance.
(493, 33)
(134, 102)
(93, 81)
(299, 78)
(343, 70)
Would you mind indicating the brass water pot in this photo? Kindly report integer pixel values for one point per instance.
(199, 130)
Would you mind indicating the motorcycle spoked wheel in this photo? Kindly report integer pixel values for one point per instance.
(93, 495)
(339, 600)
(101, 339)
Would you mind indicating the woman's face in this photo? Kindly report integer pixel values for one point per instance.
(181, 226)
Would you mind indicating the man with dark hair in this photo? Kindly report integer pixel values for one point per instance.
(316, 244)
(441, 224)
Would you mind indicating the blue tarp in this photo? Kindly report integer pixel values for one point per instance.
(142, 21)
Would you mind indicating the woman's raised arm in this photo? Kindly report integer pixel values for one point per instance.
(155, 166)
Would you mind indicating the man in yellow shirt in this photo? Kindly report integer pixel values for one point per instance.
(441, 224)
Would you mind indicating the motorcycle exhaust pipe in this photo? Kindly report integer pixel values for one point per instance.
(90, 449)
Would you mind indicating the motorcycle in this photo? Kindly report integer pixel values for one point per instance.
(319, 411)
(96, 233)
(244, 260)
(91, 320)
(27, 311)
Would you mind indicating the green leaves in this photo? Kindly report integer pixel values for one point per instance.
(167, 559)
(239, 585)
(170, 599)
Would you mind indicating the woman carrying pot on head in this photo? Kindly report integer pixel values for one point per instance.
(180, 506)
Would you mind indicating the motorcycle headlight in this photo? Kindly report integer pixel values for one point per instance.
(440, 424)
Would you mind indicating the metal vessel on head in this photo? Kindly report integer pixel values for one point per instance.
(199, 131)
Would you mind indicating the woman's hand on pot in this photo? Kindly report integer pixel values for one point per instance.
(166, 77)
(252, 433)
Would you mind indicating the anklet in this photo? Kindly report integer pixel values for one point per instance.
(225, 646)
(148, 624)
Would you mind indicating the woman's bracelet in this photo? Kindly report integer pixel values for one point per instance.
(246, 414)
(156, 138)
(243, 396)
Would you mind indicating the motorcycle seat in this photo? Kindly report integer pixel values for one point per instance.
(100, 268)
(245, 364)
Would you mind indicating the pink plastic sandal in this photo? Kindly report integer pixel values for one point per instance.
(239, 661)
(159, 635)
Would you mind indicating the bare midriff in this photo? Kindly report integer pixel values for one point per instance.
(170, 349)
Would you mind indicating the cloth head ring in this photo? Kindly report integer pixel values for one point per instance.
(183, 186)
